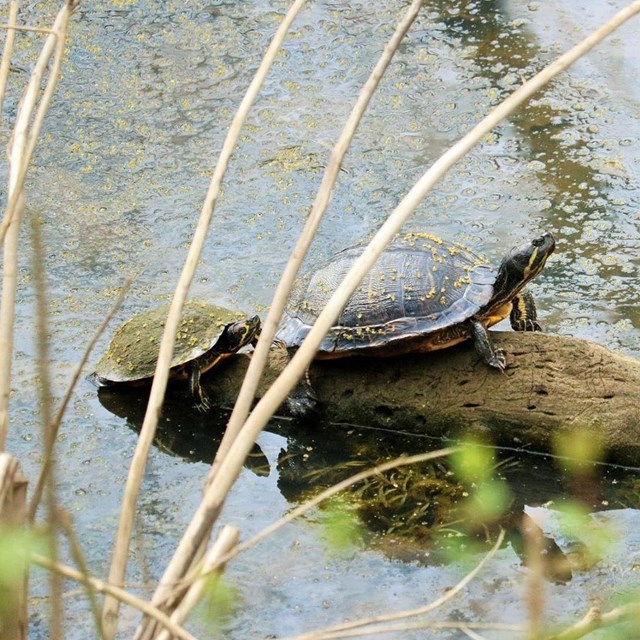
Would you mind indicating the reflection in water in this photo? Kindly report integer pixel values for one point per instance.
(182, 430)
(421, 513)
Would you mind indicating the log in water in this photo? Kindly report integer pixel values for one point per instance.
(552, 384)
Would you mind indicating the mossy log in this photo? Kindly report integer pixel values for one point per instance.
(552, 384)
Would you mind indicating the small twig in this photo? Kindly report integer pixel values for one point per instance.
(414, 626)
(14, 27)
(44, 393)
(57, 420)
(7, 52)
(114, 592)
(19, 158)
(594, 619)
(471, 634)
(337, 630)
(7, 315)
(64, 520)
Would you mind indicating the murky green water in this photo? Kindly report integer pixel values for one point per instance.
(119, 178)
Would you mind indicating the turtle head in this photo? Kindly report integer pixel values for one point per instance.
(238, 334)
(522, 264)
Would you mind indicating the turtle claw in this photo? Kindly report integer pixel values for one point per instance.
(202, 406)
(498, 360)
(526, 325)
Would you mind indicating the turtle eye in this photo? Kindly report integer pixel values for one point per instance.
(537, 242)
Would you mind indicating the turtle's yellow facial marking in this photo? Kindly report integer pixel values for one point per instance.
(532, 268)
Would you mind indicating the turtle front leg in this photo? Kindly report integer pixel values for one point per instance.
(197, 392)
(524, 316)
(302, 401)
(492, 356)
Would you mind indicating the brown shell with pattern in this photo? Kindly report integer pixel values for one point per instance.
(416, 297)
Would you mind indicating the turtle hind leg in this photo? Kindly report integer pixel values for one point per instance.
(302, 401)
(201, 401)
(524, 316)
(492, 356)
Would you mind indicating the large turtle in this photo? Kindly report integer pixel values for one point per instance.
(206, 335)
(423, 294)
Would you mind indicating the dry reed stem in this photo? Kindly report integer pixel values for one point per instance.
(330, 632)
(20, 149)
(7, 312)
(211, 565)
(7, 51)
(57, 420)
(65, 523)
(200, 525)
(115, 592)
(595, 619)
(158, 387)
(438, 625)
(44, 397)
(259, 357)
(471, 634)
(306, 506)
(14, 27)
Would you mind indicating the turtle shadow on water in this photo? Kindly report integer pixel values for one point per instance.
(419, 513)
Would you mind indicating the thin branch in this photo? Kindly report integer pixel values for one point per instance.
(64, 520)
(471, 634)
(114, 592)
(14, 27)
(7, 52)
(306, 506)
(19, 159)
(158, 387)
(44, 393)
(7, 315)
(57, 420)
(414, 626)
(21, 142)
(594, 619)
(336, 631)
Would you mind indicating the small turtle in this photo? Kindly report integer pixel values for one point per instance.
(206, 335)
(422, 294)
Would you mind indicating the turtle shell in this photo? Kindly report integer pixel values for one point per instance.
(133, 351)
(420, 286)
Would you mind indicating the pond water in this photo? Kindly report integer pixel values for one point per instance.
(120, 174)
